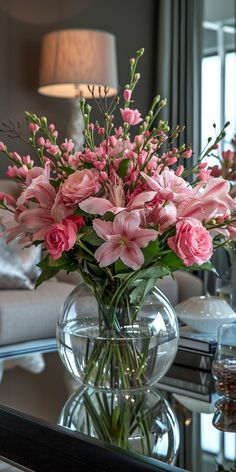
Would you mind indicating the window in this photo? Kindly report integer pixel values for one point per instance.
(218, 82)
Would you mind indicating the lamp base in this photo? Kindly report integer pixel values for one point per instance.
(76, 125)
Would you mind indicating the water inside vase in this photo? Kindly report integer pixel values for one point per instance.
(132, 360)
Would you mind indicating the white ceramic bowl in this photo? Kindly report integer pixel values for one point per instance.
(205, 314)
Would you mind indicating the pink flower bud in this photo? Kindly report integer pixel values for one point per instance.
(99, 165)
(118, 131)
(141, 158)
(179, 170)
(127, 95)
(27, 160)
(91, 126)
(7, 199)
(171, 160)
(53, 149)
(2, 146)
(41, 142)
(67, 146)
(188, 153)
(202, 165)
(228, 155)
(101, 131)
(51, 127)
(215, 146)
(112, 141)
(103, 176)
(15, 156)
(216, 171)
(138, 140)
(33, 127)
(12, 172)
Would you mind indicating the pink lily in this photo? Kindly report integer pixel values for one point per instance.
(124, 238)
(99, 206)
(209, 201)
(168, 183)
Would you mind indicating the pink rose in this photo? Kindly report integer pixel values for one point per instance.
(60, 237)
(132, 117)
(80, 185)
(192, 242)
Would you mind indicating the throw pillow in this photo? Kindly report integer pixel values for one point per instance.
(12, 275)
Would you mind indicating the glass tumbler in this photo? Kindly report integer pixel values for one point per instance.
(224, 364)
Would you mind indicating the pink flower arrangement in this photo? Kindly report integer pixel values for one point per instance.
(120, 204)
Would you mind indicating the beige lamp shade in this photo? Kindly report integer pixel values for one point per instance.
(75, 58)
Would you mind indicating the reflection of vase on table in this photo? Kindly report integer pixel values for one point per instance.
(140, 421)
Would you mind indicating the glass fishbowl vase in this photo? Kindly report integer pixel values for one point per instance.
(115, 343)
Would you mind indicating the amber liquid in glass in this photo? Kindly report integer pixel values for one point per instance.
(224, 372)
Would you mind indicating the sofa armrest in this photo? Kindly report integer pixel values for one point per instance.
(189, 285)
(73, 278)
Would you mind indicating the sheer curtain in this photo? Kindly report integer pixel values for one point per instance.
(178, 43)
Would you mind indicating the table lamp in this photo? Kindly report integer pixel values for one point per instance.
(72, 60)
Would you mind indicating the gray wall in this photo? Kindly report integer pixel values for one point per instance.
(23, 23)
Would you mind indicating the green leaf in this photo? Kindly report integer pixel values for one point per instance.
(109, 216)
(90, 236)
(67, 170)
(154, 272)
(95, 270)
(121, 268)
(44, 264)
(141, 291)
(172, 261)
(207, 266)
(123, 168)
(46, 275)
(151, 250)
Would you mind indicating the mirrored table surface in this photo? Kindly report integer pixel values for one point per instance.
(179, 424)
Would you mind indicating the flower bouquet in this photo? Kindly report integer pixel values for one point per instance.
(123, 213)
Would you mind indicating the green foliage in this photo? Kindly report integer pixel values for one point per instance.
(139, 293)
(123, 168)
(90, 236)
(151, 251)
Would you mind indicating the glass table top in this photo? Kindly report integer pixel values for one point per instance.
(181, 421)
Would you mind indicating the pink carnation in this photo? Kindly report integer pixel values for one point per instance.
(192, 242)
(80, 185)
(132, 117)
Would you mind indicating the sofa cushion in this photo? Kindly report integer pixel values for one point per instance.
(31, 314)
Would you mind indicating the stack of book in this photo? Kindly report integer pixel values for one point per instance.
(192, 383)
(196, 350)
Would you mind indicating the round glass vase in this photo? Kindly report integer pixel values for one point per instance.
(125, 346)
